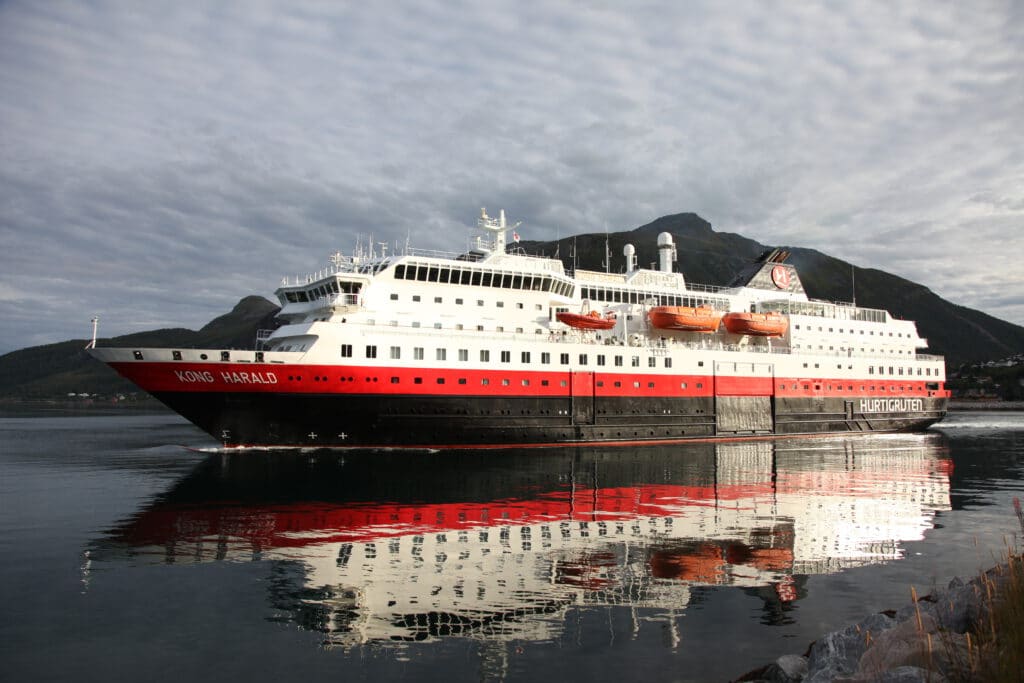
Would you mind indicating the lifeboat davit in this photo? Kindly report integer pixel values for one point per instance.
(689, 318)
(756, 324)
(587, 321)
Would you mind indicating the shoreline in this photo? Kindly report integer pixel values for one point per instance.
(958, 405)
(928, 639)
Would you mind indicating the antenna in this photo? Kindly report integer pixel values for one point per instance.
(607, 254)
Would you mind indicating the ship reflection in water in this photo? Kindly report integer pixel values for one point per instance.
(500, 546)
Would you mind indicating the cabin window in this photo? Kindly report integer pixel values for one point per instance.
(652, 362)
(346, 350)
(417, 353)
(400, 272)
(394, 380)
(600, 359)
(485, 356)
(437, 299)
(504, 382)
(394, 297)
(176, 355)
(486, 282)
(396, 352)
(500, 304)
(442, 354)
(371, 351)
(464, 354)
(635, 361)
(583, 359)
(618, 361)
(506, 356)
(458, 302)
(564, 359)
(668, 362)
(545, 357)
(525, 357)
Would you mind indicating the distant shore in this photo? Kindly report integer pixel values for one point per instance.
(41, 406)
(959, 404)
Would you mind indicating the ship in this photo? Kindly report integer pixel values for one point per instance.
(429, 350)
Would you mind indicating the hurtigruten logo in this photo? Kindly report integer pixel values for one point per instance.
(891, 405)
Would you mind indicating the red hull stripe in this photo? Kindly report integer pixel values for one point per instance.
(291, 525)
(496, 381)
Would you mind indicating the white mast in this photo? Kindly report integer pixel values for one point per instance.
(95, 324)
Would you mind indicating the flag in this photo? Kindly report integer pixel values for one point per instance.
(515, 236)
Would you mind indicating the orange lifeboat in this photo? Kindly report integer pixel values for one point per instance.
(587, 321)
(756, 324)
(689, 318)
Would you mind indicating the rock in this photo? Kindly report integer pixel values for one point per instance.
(838, 653)
(786, 669)
(956, 609)
(903, 674)
(927, 647)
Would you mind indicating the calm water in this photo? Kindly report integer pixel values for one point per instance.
(132, 549)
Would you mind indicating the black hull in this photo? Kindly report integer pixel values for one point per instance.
(374, 421)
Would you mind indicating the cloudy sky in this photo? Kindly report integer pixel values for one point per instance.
(160, 160)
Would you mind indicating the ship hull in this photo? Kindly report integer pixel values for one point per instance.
(284, 420)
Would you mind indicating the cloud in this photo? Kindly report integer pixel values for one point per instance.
(176, 158)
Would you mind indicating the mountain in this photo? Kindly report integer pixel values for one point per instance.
(57, 369)
(705, 256)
